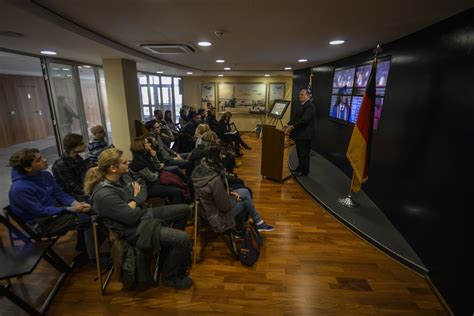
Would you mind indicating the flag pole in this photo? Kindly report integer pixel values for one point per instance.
(348, 201)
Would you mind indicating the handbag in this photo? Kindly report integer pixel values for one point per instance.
(169, 178)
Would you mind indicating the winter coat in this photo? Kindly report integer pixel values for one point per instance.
(211, 188)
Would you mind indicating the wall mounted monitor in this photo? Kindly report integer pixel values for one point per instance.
(279, 108)
(347, 96)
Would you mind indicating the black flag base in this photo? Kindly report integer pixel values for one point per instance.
(348, 202)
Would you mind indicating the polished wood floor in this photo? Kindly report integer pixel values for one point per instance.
(310, 265)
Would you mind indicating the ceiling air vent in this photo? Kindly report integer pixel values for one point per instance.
(169, 48)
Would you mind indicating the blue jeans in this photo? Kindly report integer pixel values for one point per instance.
(243, 207)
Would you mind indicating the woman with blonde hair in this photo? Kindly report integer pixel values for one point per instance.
(200, 130)
(119, 204)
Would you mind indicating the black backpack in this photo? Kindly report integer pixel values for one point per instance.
(250, 246)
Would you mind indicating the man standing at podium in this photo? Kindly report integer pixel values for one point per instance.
(301, 128)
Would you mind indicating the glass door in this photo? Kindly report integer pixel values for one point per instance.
(67, 100)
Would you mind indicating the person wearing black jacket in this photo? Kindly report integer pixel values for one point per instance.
(301, 129)
(229, 135)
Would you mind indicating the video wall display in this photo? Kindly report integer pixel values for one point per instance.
(349, 85)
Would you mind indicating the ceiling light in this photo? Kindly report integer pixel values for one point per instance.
(220, 75)
(48, 52)
(86, 66)
(204, 44)
(287, 68)
(159, 72)
(66, 69)
(267, 75)
(189, 73)
(55, 68)
(227, 68)
(220, 61)
(303, 60)
(336, 42)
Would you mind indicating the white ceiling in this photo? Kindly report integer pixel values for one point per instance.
(260, 36)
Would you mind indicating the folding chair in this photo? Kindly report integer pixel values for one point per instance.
(227, 236)
(108, 271)
(17, 261)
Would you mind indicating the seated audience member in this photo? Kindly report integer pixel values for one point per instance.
(203, 114)
(190, 128)
(97, 144)
(200, 130)
(165, 154)
(146, 165)
(210, 138)
(211, 119)
(222, 208)
(191, 112)
(230, 135)
(170, 123)
(119, 204)
(38, 200)
(166, 134)
(70, 169)
(183, 117)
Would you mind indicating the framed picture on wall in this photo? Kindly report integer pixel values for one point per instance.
(241, 97)
(276, 91)
(208, 94)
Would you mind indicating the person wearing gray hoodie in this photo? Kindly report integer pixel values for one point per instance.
(221, 207)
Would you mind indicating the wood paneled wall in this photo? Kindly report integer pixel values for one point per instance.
(24, 110)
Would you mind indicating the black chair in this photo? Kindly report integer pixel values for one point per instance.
(108, 271)
(17, 261)
(27, 229)
(201, 225)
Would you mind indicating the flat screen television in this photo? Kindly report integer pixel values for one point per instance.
(347, 95)
(279, 108)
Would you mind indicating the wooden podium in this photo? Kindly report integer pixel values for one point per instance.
(274, 154)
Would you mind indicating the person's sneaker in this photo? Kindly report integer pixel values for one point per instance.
(180, 283)
(264, 227)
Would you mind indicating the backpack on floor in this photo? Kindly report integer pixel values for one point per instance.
(250, 246)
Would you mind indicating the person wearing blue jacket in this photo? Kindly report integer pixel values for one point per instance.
(35, 196)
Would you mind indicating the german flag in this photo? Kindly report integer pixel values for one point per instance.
(358, 151)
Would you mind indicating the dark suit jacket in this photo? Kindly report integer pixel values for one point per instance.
(303, 121)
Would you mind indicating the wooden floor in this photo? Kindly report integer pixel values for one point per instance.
(310, 265)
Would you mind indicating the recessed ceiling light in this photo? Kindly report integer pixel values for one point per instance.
(66, 69)
(86, 66)
(80, 67)
(159, 72)
(336, 42)
(220, 75)
(189, 73)
(267, 75)
(69, 75)
(287, 68)
(48, 52)
(227, 68)
(220, 61)
(303, 60)
(204, 44)
(55, 68)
